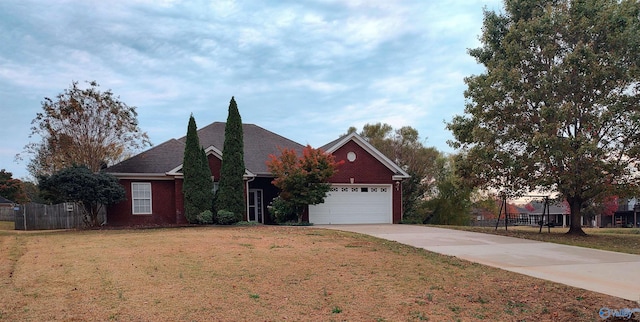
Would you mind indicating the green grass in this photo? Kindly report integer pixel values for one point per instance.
(7, 225)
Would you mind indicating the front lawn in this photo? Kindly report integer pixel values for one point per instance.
(264, 273)
(624, 240)
(7, 225)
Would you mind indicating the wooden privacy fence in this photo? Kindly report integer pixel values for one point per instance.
(6, 213)
(34, 216)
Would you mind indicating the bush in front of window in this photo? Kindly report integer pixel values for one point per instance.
(205, 217)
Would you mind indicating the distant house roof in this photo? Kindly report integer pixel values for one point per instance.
(4, 200)
(258, 145)
(555, 208)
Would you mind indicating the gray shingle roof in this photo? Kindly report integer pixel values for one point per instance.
(555, 207)
(4, 200)
(159, 159)
(258, 144)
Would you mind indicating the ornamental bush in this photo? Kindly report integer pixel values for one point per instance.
(281, 211)
(205, 217)
(226, 217)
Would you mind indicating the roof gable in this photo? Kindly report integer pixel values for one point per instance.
(331, 147)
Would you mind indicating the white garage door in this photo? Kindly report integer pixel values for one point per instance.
(354, 204)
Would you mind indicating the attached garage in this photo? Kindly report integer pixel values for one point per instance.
(354, 204)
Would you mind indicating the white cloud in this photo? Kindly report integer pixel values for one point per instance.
(396, 114)
(306, 70)
(317, 86)
(224, 8)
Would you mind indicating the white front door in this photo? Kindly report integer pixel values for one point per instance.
(255, 206)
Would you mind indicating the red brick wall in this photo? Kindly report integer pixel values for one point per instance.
(179, 203)
(365, 169)
(163, 205)
(215, 165)
(167, 199)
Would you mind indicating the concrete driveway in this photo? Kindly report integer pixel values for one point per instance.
(601, 271)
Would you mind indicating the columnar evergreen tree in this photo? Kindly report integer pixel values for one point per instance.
(197, 187)
(231, 186)
(558, 105)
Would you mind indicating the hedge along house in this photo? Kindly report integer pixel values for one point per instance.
(366, 189)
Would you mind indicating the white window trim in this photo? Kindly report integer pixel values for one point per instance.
(133, 211)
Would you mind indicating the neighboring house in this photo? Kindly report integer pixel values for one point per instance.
(626, 215)
(4, 202)
(558, 214)
(366, 189)
(6, 209)
(534, 212)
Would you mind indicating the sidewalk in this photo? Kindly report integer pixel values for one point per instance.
(601, 271)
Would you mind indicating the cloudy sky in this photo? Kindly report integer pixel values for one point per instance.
(304, 69)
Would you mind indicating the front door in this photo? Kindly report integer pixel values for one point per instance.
(255, 205)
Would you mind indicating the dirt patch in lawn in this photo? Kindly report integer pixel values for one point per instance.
(265, 273)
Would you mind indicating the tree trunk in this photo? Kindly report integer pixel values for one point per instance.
(299, 213)
(575, 228)
(91, 211)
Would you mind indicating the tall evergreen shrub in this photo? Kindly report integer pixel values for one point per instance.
(197, 187)
(231, 188)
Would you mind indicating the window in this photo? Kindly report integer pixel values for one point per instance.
(216, 186)
(364, 189)
(141, 197)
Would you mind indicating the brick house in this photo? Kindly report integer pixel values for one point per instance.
(366, 188)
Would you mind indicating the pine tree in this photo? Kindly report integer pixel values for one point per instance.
(231, 193)
(197, 187)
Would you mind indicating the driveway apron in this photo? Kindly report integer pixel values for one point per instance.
(601, 271)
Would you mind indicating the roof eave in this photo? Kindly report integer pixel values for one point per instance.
(149, 176)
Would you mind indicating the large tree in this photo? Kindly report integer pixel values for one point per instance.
(451, 201)
(83, 127)
(403, 146)
(197, 187)
(80, 184)
(302, 180)
(12, 189)
(558, 106)
(231, 186)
